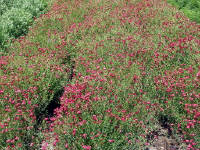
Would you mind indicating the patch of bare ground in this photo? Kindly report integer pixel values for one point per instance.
(163, 139)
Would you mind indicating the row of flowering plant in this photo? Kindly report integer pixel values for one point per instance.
(31, 74)
(135, 63)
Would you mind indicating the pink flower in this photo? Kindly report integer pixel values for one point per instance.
(82, 122)
(87, 147)
(44, 145)
(66, 145)
(111, 141)
(95, 117)
(169, 89)
(74, 132)
(84, 135)
(79, 112)
(1, 91)
(198, 75)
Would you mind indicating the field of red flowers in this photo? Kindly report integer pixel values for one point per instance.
(102, 75)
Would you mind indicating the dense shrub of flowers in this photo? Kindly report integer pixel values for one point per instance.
(134, 65)
(126, 67)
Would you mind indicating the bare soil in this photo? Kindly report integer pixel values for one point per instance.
(162, 139)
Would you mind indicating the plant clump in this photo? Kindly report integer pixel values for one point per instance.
(117, 71)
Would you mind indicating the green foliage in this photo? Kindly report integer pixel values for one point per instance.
(192, 14)
(3, 36)
(35, 7)
(16, 22)
(16, 16)
(191, 8)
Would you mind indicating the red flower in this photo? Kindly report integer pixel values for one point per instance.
(87, 147)
(74, 132)
(1, 91)
(198, 75)
(94, 117)
(111, 141)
